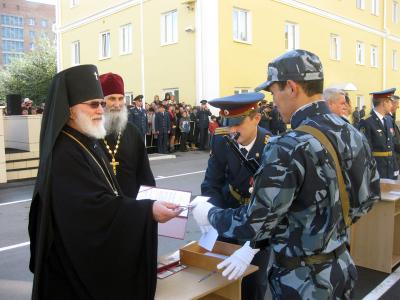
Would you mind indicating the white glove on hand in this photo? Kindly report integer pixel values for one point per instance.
(198, 200)
(237, 263)
(200, 213)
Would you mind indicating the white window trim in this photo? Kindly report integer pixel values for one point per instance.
(249, 22)
(373, 3)
(360, 101)
(395, 60)
(374, 65)
(395, 12)
(163, 42)
(128, 98)
(101, 57)
(73, 53)
(296, 35)
(73, 3)
(362, 6)
(121, 39)
(362, 62)
(335, 56)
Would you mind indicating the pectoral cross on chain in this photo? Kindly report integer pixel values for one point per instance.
(95, 75)
(114, 165)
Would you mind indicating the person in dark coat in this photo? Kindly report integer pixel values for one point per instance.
(203, 115)
(88, 240)
(138, 116)
(123, 144)
(396, 137)
(228, 182)
(162, 128)
(378, 129)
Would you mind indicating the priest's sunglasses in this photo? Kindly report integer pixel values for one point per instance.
(95, 104)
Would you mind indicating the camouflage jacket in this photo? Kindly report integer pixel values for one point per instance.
(295, 202)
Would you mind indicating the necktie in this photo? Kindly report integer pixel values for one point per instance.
(385, 125)
(244, 151)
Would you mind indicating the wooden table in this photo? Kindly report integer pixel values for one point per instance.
(184, 285)
(375, 238)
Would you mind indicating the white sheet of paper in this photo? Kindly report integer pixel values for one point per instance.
(207, 240)
(172, 196)
(397, 193)
(216, 255)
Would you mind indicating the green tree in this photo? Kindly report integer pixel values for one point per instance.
(31, 74)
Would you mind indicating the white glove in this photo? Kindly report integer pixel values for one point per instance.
(200, 213)
(198, 200)
(237, 263)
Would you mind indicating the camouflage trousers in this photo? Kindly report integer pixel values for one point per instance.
(333, 279)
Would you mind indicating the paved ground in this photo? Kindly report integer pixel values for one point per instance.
(185, 172)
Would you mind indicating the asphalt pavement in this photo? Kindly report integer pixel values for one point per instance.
(185, 172)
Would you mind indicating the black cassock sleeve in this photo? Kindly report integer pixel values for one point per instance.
(108, 243)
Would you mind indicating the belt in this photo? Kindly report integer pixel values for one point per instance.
(242, 200)
(382, 154)
(301, 261)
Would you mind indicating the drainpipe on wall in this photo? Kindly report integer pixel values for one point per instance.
(58, 35)
(142, 48)
(385, 30)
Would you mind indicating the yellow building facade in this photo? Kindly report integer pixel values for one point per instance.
(202, 49)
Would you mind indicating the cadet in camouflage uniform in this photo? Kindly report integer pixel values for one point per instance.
(296, 202)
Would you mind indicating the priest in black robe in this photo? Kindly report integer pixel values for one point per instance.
(88, 240)
(123, 145)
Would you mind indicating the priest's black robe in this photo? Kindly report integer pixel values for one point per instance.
(103, 246)
(134, 167)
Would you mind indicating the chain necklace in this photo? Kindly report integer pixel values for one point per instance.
(109, 181)
(114, 163)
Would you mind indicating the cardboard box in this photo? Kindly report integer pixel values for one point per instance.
(194, 255)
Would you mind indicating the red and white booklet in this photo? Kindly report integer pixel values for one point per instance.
(176, 227)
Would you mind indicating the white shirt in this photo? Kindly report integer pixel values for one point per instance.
(379, 116)
(249, 146)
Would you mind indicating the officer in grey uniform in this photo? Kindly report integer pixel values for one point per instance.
(378, 129)
(295, 202)
(138, 116)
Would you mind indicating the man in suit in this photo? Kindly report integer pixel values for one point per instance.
(378, 129)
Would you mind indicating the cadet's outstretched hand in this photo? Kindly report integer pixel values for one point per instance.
(164, 211)
(237, 263)
(200, 213)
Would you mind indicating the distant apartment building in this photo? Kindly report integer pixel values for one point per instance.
(201, 49)
(22, 24)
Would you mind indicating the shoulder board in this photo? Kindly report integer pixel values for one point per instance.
(222, 131)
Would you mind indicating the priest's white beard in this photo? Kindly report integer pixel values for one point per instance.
(115, 120)
(94, 129)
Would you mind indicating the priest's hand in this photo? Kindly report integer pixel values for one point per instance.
(236, 264)
(200, 213)
(164, 211)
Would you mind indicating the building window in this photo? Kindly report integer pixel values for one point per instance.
(375, 7)
(125, 39)
(32, 46)
(335, 47)
(12, 33)
(395, 62)
(31, 22)
(73, 3)
(169, 28)
(8, 57)
(360, 53)
(395, 14)
(242, 90)
(44, 23)
(360, 101)
(360, 4)
(32, 35)
(374, 56)
(75, 53)
(105, 46)
(128, 98)
(291, 36)
(241, 25)
(12, 46)
(12, 20)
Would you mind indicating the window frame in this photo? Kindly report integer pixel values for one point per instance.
(164, 39)
(395, 60)
(375, 7)
(122, 35)
(242, 18)
(374, 56)
(295, 35)
(360, 4)
(362, 48)
(76, 45)
(395, 12)
(101, 47)
(335, 55)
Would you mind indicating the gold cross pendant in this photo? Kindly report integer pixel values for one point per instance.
(114, 165)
